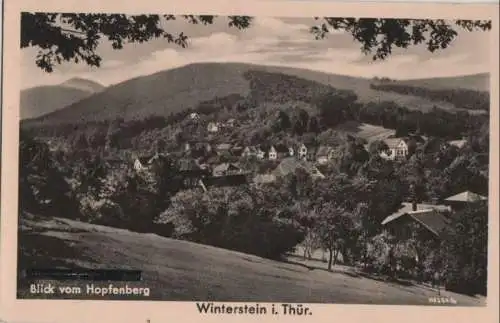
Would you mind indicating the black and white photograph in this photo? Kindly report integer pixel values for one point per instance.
(259, 159)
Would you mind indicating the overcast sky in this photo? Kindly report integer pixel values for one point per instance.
(270, 41)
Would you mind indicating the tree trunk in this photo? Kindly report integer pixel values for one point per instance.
(336, 256)
(330, 260)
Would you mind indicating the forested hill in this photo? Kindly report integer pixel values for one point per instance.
(172, 91)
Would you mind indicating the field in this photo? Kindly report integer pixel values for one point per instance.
(184, 271)
(365, 131)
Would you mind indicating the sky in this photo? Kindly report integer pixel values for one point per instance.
(270, 41)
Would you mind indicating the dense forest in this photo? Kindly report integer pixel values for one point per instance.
(85, 169)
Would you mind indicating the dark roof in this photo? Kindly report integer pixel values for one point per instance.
(408, 208)
(281, 148)
(433, 220)
(145, 159)
(229, 180)
(430, 216)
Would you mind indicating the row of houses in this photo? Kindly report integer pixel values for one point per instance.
(195, 173)
(321, 154)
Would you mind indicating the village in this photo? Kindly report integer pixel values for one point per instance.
(199, 173)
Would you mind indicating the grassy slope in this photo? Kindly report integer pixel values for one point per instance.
(179, 270)
(477, 82)
(173, 90)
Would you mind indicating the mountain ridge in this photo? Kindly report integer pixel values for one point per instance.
(42, 100)
(170, 91)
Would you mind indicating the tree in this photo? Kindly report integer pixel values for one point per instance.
(76, 37)
(333, 227)
(464, 251)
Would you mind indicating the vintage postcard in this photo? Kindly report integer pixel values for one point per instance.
(166, 161)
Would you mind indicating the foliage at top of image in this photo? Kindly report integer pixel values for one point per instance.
(75, 36)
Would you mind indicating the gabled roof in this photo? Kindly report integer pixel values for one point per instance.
(392, 143)
(430, 216)
(457, 143)
(144, 160)
(408, 208)
(225, 167)
(223, 146)
(466, 196)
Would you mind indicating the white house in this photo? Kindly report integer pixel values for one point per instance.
(273, 153)
(302, 153)
(291, 151)
(194, 116)
(213, 127)
(397, 149)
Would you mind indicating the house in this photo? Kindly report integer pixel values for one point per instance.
(224, 181)
(143, 162)
(457, 143)
(461, 200)
(302, 151)
(323, 155)
(223, 149)
(226, 169)
(272, 154)
(429, 217)
(260, 153)
(334, 153)
(290, 165)
(264, 178)
(213, 127)
(249, 151)
(291, 151)
(194, 116)
(237, 150)
(397, 149)
(282, 151)
(191, 172)
(230, 123)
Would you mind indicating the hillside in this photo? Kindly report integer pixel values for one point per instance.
(184, 271)
(38, 101)
(476, 82)
(174, 90)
